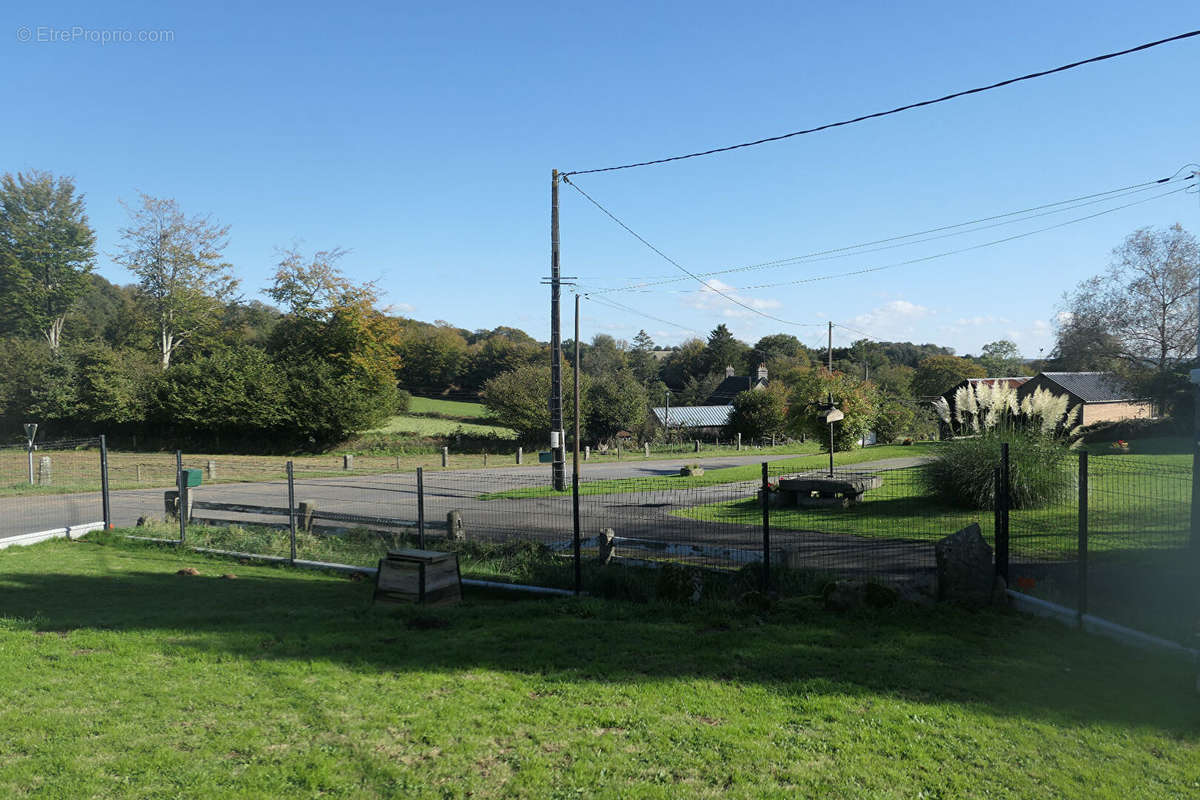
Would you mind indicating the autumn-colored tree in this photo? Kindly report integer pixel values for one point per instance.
(857, 400)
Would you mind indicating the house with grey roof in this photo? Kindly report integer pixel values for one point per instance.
(733, 385)
(1105, 397)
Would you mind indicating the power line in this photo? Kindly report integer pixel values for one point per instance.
(630, 310)
(980, 246)
(957, 229)
(896, 110)
(675, 263)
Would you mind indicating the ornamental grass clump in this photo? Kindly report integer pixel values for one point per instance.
(1041, 469)
(1039, 430)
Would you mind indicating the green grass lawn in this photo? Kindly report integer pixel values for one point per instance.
(447, 408)
(1136, 503)
(438, 426)
(123, 679)
(747, 472)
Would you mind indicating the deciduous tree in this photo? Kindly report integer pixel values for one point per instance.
(183, 282)
(47, 250)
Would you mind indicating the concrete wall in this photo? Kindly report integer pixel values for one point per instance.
(1115, 412)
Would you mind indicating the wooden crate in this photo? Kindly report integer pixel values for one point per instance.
(418, 576)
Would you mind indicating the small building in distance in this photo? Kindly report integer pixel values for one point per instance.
(733, 385)
(1103, 395)
(693, 421)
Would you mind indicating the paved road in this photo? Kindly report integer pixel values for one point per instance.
(639, 514)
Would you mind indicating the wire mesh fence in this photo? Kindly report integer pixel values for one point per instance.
(51, 485)
(1109, 537)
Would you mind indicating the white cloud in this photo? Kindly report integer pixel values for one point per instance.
(895, 320)
(707, 299)
(401, 308)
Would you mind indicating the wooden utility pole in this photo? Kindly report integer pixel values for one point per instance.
(558, 447)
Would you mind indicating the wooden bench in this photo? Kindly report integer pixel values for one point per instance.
(418, 576)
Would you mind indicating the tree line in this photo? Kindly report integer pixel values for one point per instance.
(181, 356)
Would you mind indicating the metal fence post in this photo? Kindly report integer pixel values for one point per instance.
(292, 510)
(421, 509)
(181, 485)
(1002, 499)
(105, 500)
(766, 526)
(1083, 536)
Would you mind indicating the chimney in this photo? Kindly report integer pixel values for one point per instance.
(762, 372)
(728, 372)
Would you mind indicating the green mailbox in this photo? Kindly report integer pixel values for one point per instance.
(192, 477)
(546, 456)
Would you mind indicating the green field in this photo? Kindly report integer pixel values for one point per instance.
(123, 679)
(437, 426)
(448, 408)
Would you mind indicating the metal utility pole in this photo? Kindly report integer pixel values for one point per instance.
(1195, 520)
(575, 464)
(667, 419)
(831, 397)
(556, 416)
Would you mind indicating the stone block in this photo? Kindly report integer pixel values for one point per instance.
(965, 572)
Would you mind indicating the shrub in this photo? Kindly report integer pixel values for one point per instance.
(403, 401)
(962, 472)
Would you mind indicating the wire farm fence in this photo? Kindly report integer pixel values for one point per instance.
(1111, 537)
(53, 487)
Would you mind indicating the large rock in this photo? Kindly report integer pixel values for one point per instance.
(965, 573)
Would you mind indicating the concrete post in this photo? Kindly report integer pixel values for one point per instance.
(455, 530)
(520, 455)
(43, 472)
(445, 456)
(347, 461)
(607, 547)
(397, 462)
(485, 459)
(697, 448)
(647, 448)
(304, 516)
(211, 469)
(587, 452)
(171, 504)
(139, 473)
(739, 441)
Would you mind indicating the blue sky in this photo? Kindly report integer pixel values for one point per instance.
(421, 137)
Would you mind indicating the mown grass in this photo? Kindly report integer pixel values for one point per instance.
(746, 472)
(1136, 503)
(453, 409)
(123, 679)
(437, 426)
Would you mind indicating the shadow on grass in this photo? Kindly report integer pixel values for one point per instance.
(1002, 663)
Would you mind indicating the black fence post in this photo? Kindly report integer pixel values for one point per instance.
(181, 486)
(421, 509)
(291, 476)
(105, 500)
(1002, 507)
(766, 526)
(1083, 536)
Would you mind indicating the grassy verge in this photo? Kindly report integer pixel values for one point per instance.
(123, 679)
(747, 472)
